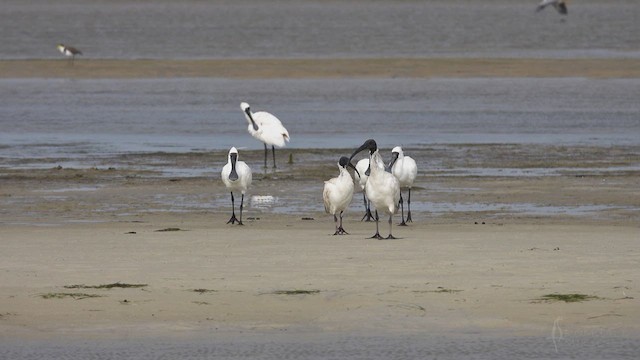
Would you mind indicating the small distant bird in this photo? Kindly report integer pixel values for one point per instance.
(266, 128)
(405, 169)
(337, 194)
(69, 51)
(236, 176)
(559, 5)
(361, 167)
(383, 189)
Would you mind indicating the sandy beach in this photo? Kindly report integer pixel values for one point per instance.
(322, 68)
(72, 237)
(436, 278)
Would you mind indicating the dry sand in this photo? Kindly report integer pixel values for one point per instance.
(436, 278)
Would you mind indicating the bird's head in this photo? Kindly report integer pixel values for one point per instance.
(395, 154)
(344, 162)
(233, 153)
(246, 109)
(368, 145)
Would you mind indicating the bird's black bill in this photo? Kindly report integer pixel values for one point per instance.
(394, 158)
(253, 123)
(354, 168)
(369, 145)
(233, 176)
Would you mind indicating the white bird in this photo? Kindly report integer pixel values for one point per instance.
(337, 194)
(382, 188)
(559, 5)
(236, 176)
(405, 169)
(359, 175)
(266, 128)
(69, 51)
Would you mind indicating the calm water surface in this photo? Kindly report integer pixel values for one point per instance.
(83, 119)
(251, 28)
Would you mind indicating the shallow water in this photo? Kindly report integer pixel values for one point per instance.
(76, 122)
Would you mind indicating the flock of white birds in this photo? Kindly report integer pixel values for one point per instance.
(380, 183)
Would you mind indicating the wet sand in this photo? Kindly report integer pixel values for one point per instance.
(322, 68)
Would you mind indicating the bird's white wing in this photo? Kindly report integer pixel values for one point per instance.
(273, 131)
(544, 3)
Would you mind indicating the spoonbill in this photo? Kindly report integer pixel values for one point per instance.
(266, 128)
(361, 168)
(69, 51)
(382, 188)
(338, 192)
(236, 176)
(559, 5)
(405, 169)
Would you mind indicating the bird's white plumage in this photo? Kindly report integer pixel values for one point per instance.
(338, 192)
(236, 176)
(404, 168)
(242, 169)
(360, 175)
(68, 50)
(269, 128)
(382, 188)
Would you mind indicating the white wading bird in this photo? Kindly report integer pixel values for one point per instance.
(382, 188)
(69, 51)
(559, 5)
(405, 169)
(236, 176)
(337, 194)
(266, 128)
(361, 168)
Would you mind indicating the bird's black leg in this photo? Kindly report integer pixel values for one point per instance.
(390, 237)
(233, 211)
(241, 206)
(335, 223)
(266, 150)
(402, 211)
(367, 209)
(341, 229)
(377, 234)
(273, 151)
(409, 207)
